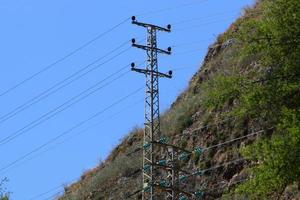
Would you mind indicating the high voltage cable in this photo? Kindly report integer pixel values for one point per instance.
(78, 133)
(57, 187)
(222, 187)
(69, 130)
(233, 140)
(171, 8)
(201, 25)
(190, 51)
(47, 192)
(56, 111)
(217, 145)
(207, 17)
(222, 165)
(184, 68)
(230, 162)
(190, 132)
(63, 58)
(190, 43)
(203, 170)
(53, 195)
(60, 85)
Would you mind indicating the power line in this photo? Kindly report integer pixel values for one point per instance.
(199, 172)
(118, 177)
(184, 68)
(60, 85)
(171, 8)
(56, 110)
(190, 43)
(47, 192)
(63, 58)
(202, 24)
(207, 17)
(217, 145)
(189, 132)
(53, 195)
(216, 166)
(79, 133)
(190, 51)
(233, 140)
(69, 130)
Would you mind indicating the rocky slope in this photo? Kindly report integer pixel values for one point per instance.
(189, 124)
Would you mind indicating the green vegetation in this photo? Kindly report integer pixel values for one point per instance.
(4, 195)
(270, 92)
(251, 75)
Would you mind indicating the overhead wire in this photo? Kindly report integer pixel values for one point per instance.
(118, 177)
(189, 51)
(69, 130)
(201, 25)
(190, 43)
(233, 140)
(79, 97)
(202, 170)
(204, 17)
(61, 84)
(53, 195)
(78, 133)
(171, 8)
(217, 145)
(59, 186)
(208, 17)
(45, 193)
(63, 58)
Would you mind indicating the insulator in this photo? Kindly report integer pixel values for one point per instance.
(163, 183)
(146, 146)
(162, 162)
(133, 18)
(170, 72)
(163, 140)
(182, 198)
(133, 40)
(169, 49)
(132, 65)
(183, 157)
(198, 173)
(147, 168)
(198, 151)
(199, 194)
(169, 26)
(182, 178)
(147, 189)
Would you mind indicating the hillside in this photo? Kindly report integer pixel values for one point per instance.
(248, 88)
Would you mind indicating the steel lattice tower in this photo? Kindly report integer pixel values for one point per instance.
(152, 116)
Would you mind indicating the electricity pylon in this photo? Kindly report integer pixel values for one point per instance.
(159, 174)
(152, 118)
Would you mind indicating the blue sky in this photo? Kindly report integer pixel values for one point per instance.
(36, 33)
